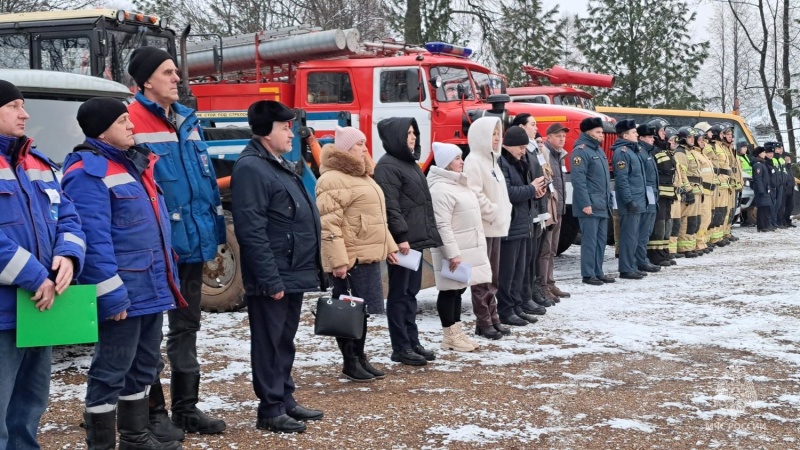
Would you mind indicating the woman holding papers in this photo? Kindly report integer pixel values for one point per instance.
(522, 191)
(461, 260)
(409, 213)
(355, 237)
(129, 257)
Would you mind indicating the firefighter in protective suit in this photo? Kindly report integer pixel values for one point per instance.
(724, 147)
(707, 187)
(675, 210)
(689, 192)
(718, 157)
(658, 246)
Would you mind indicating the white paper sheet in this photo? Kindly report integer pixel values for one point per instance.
(462, 274)
(651, 196)
(410, 261)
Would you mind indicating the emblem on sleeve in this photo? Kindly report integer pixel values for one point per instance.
(576, 161)
(620, 165)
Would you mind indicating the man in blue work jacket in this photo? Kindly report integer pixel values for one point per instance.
(591, 199)
(629, 187)
(186, 175)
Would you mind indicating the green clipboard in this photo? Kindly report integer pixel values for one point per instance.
(71, 320)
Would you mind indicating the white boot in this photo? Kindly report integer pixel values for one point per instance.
(464, 337)
(452, 341)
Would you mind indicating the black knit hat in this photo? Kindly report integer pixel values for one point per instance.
(590, 123)
(145, 61)
(9, 93)
(759, 150)
(97, 114)
(625, 125)
(515, 136)
(261, 115)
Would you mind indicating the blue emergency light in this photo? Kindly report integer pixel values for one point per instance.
(448, 49)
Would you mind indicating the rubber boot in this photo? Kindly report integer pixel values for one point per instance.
(160, 425)
(101, 430)
(184, 389)
(352, 367)
(133, 419)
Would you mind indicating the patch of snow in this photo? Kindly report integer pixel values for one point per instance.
(629, 424)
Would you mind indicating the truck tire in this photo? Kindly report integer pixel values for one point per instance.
(223, 290)
(569, 231)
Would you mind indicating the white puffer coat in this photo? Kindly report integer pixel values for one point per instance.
(458, 219)
(486, 179)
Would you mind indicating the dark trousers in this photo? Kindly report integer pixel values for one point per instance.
(788, 207)
(484, 303)
(594, 231)
(657, 248)
(530, 267)
(448, 304)
(646, 224)
(773, 213)
(126, 358)
(629, 227)
(763, 214)
(779, 207)
(273, 325)
(513, 264)
(364, 281)
(401, 306)
(184, 323)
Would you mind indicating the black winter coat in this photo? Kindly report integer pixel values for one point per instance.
(761, 184)
(409, 208)
(521, 193)
(277, 225)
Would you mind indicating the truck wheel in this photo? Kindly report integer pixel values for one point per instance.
(222, 278)
(569, 231)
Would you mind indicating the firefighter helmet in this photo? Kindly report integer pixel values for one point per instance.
(671, 132)
(658, 123)
(686, 133)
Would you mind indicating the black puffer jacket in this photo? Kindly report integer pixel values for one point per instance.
(521, 193)
(409, 208)
(277, 225)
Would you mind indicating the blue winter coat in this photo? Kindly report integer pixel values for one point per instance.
(591, 181)
(185, 173)
(37, 223)
(629, 177)
(129, 253)
(277, 225)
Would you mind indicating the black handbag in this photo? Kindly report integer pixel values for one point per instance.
(339, 318)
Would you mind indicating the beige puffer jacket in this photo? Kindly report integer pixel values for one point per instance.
(352, 211)
(458, 219)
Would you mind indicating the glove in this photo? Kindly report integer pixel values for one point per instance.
(688, 198)
(632, 208)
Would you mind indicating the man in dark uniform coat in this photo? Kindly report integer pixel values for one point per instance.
(278, 229)
(591, 199)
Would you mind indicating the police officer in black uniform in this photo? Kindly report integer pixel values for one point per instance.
(762, 198)
(775, 182)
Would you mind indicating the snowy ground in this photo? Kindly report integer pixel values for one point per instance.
(702, 355)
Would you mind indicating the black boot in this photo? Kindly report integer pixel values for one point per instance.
(505, 331)
(132, 421)
(352, 367)
(488, 332)
(101, 430)
(160, 425)
(185, 389)
(362, 356)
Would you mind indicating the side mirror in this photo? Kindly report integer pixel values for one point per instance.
(413, 86)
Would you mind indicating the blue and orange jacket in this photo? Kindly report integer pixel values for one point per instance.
(129, 255)
(185, 173)
(37, 223)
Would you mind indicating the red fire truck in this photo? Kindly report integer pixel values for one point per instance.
(329, 76)
(555, 86)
